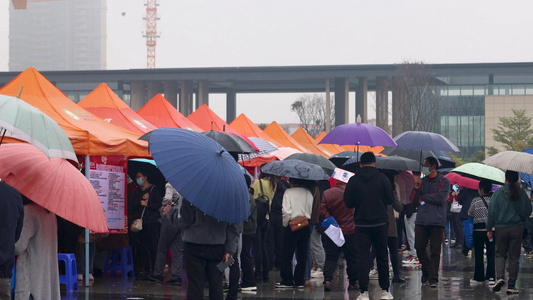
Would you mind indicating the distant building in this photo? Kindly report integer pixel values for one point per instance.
(58, 35)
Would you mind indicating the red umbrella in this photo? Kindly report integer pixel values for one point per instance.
(455, 178)
(54, 184)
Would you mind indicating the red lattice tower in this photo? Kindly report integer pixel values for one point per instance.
(151, 31)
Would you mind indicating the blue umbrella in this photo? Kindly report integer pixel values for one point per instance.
(203, 172)
(421, 140)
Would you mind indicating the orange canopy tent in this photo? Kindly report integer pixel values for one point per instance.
(104, 103)
(206, 119)
(308, 142)
(161, 113)
(246, 127)
(283, 138)
(330, 147)
(375, 150)
(89, 134)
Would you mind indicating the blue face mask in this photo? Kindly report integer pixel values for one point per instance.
(140, 181)
(425, 170)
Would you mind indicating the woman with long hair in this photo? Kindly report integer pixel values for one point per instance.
(508, 210)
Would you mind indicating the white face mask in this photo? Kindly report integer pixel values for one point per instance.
(425, 170)
(140, 181)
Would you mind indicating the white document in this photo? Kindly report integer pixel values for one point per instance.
(335, 234)
(342, 175)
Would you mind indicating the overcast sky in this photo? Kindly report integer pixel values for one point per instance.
(200, 33)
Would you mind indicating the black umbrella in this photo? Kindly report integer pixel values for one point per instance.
(397, 163)
(340, 158)
(235, 145)
(138, 164)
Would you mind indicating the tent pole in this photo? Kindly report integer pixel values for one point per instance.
(3, 134)
(87, 174)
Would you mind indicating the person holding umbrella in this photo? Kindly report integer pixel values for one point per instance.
(147, 199)
(431, 197)
(509, 208)
(12, 216)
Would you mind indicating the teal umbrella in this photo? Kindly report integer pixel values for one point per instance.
(480, 171)
(22, 121)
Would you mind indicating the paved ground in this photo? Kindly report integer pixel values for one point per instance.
(456, 271)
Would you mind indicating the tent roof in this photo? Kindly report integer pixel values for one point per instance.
(308, 142)
(330, 147)
(257, 161)
(204, 118)
(104, 103)
(246, 127)
(89, 134)
(282, 137)
(375, 150)
(161, 113)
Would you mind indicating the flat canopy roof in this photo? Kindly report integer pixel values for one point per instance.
(292, 78)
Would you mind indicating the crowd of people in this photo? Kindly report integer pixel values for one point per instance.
(386, 217)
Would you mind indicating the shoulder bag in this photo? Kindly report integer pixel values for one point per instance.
(137, 224)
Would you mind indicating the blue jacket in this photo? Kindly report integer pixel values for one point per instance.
(431, 197)
(11, 219)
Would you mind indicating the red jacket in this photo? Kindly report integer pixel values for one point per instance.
(332, 205)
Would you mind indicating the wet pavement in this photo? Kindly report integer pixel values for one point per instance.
(456, 272)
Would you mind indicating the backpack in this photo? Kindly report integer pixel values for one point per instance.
(262, 206)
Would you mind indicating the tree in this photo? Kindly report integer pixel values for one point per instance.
(417, 96)
(311, 110)
(514, 133)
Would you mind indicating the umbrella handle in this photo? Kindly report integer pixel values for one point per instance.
(3, 134)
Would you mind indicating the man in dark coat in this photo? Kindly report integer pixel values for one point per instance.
(431, 199)
(11, 219)
(369, 192)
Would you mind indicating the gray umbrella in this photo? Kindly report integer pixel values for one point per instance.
(295, 168)
(397, 163)
(315, 159)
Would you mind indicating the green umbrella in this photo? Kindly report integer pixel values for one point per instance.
(316, 159)
(480, 171)
(22, 121)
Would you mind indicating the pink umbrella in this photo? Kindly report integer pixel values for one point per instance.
(455, 178)
(284, 152)
(54, 184)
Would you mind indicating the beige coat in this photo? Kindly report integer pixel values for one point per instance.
(37, 270)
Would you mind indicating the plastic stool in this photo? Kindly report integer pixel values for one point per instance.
(70, 278)
(119, 260)
(12, 281)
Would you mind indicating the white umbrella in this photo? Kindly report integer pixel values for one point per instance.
(512, 160)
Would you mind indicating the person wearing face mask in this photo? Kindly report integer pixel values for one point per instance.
(147, 198)
(431, 197)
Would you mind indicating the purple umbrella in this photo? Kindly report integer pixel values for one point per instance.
(421, 140)
(358, 134)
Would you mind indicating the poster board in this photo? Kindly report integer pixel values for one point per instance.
(108, 177)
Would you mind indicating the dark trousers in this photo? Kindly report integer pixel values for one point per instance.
(170, 237)
(247, 262)
(202, 260)
(400, 229)
(375, 237)
(480, 242)
(528, 241)
(277, 229)
(5, 288)
(260, 250)
(508, 243)
(458, 228)
(297, 241)
(392, 241)
(332, 257)
(234, 276)
(149, 237)
(433, 235)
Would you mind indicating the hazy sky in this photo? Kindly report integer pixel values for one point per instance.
(199, 33)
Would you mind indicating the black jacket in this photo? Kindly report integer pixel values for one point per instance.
(465, 198)
(277, 200)
(11, 220)
(369, 192)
